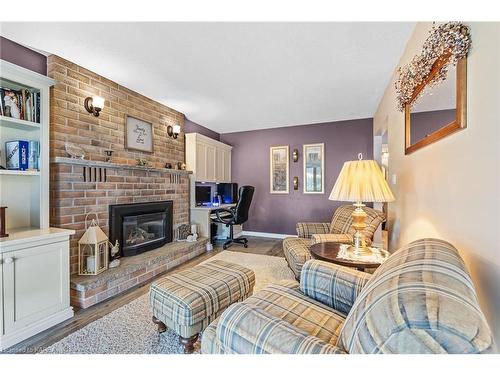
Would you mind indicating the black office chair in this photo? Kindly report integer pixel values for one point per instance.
(236, 216)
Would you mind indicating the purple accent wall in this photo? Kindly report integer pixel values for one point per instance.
(17, 54)
(425, 123)
(193, 127)
(279, 213)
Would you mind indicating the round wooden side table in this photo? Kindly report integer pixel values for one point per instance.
(328, 251)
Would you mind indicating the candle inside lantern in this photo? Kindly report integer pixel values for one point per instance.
(91, 264)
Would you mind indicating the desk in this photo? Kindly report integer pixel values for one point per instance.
(200, 216)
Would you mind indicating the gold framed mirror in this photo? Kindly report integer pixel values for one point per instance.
(437, 110)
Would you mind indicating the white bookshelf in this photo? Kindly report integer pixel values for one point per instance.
(25, 193)
(34, 259)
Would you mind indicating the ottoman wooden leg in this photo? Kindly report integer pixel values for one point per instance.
(161, 326)
(188, 343)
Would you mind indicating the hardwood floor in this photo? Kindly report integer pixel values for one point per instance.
(256, 245)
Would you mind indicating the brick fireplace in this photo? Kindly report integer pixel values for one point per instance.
(79, 187)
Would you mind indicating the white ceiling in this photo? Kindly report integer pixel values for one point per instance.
(236, 76)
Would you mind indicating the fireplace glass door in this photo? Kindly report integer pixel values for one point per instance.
(140, 230)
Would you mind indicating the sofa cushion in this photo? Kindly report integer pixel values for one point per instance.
(248, 329)
(331, 284)
(296, 252)
(285, 301)
(421, 300)
(342, 221)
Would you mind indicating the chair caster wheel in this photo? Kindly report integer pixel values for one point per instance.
(224, 247)
(245, 245)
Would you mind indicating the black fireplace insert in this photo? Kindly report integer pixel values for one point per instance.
(140, 227)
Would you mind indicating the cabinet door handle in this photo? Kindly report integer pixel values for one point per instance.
(9, 260)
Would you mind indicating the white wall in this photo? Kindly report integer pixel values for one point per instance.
(450, 189)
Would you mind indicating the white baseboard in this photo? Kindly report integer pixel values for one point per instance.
(10, 339)
(265, 234)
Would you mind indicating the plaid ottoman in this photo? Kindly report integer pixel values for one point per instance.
(188, 301)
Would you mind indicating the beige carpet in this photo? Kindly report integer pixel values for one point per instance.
(129, 330)
(268, 269)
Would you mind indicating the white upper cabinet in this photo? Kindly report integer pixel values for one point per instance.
(210, 160)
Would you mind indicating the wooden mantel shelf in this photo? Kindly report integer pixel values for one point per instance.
(103, 164)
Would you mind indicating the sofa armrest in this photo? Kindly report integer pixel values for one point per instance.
(332, 237)
(331, 284)
(247, 329)
(305, 230)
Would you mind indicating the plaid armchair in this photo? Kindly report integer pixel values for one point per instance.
(340, 230)
(421, 300)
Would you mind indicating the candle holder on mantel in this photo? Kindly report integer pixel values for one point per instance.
(3, 224)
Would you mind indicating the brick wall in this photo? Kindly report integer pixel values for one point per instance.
(70, 197)
(69, 121)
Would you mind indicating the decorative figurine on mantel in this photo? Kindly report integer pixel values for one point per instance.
(109, 154)
(74, 151)
(114, 251)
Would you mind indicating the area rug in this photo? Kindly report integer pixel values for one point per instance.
(129, 330)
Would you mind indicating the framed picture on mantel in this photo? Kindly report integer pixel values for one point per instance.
(138, 134)
(279, 169)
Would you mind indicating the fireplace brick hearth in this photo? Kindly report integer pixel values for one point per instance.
(89, 290)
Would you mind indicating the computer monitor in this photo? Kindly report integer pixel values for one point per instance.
(203, 195)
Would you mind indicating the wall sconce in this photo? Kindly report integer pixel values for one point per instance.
(295, 183)
(173, 131)
(295, 155)
(94, 104)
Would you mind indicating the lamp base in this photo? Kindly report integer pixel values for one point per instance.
(360, 251)
(358, 222)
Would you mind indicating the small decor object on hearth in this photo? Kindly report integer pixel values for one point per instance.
(449, 42)
(183, 231)
(75, 151)
(92, 249)
(114, 252)
(138, 134)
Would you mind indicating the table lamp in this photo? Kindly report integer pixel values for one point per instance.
(360, 181)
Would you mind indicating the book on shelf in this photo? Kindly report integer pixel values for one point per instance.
(22, 104)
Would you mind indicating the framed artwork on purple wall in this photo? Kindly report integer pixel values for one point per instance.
(314, 168)
(278, 169)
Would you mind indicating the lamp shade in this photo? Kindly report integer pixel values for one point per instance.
(98, 101)
(361, 181)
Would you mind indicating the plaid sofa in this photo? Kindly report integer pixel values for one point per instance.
(340, 229)
(421, 300)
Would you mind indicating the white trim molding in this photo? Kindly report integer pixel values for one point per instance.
(266, 234)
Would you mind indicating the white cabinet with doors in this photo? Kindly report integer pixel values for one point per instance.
(210, 160)
(34, 283)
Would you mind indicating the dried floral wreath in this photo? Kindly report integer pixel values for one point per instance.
(451, 41)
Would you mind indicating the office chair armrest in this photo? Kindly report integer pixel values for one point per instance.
(225, 220)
